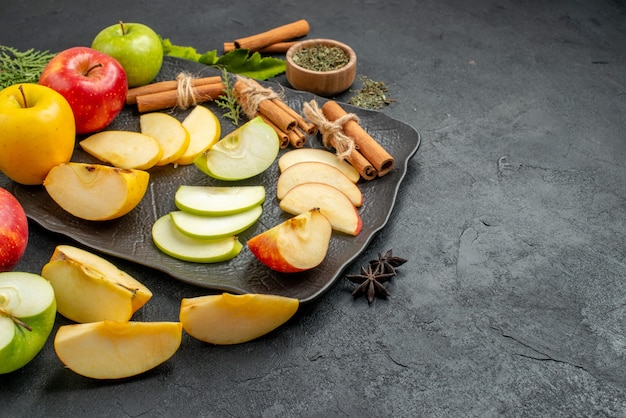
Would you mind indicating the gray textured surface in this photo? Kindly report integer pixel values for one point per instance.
(513, 216)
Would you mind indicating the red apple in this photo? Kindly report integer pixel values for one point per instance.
(93, 83)
(13, 231)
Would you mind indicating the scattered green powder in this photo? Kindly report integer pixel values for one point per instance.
(321, 58)
(373, 94)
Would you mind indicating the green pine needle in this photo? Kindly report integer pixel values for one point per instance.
(21, 66)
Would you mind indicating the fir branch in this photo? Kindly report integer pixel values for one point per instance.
(228, 101)
(21, 66)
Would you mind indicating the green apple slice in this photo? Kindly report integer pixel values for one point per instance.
(213, 227)
(217, 200)
(174, 243)
(27, 314)
(246, 152)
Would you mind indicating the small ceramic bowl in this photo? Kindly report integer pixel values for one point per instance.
(322, 83)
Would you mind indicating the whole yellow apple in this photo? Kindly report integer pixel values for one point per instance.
(37, 132)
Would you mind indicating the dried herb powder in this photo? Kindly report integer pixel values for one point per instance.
(373, 94)
(321, 58)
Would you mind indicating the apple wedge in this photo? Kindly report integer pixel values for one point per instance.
(332, 203)
(115, 350)
(300, 155)
(218, 200)
(297, 244)
(123, 149)
(234, 319)
(27, 315)
(89, 288)
(213, 227)
(169, 133)
(204, 130)
(174, 243)
(96, 192)
(316, 172)
(247, 151)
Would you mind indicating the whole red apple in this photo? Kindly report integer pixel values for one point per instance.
(93, 83)
(13, 231)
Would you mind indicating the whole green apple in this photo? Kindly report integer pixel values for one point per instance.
(136, 47)
(27, 314)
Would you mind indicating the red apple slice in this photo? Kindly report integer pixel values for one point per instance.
(317, 172)
(320, 155)
(234, 319)
(333, 203)
(298, 244)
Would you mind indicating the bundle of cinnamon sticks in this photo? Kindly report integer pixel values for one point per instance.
(368, 156)
(183, 92)
(256, 100)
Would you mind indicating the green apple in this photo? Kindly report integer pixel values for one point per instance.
(212, 227)
(218, 200)
(27, 314)
(136, 47)
(247, 151)
(174, 243)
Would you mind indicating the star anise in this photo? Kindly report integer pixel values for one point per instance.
(387, 262)
(370, 283)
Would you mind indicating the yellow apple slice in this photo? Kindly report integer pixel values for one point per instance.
(213, 227)
(123, 149)
(174, 243)
(320, 155)
(115, 350)
(313, 171)
(204, 131)
(89, 288)
(233, 319)
(169, 132)
(218, 200)
(96, 192)
(297, 244)
(333, 204)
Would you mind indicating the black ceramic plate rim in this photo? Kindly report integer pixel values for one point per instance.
(363, 240)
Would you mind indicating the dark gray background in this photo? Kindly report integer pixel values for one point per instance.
(512, 216)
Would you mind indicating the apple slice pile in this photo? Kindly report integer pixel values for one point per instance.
(205, 228)
(163, 140)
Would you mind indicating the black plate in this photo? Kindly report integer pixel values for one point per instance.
(129, 237)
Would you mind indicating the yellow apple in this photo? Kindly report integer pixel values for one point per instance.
(37, 132)
(320, 155)
(169, 132)
(313, 171)
(234, 319)
(96, 192)
(124, 149)
(333, 204)
(115, 350)
(204, 130)
(89, 288)
(297, 244)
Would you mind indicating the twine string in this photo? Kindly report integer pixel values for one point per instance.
(254, 94)
(332, 132)
(185, 91)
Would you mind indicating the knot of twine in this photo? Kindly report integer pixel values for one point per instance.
(332, 132)
(254, 94)
(185, 91)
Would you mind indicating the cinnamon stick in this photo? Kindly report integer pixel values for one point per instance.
(266, 108)
(131, 95)
(307, 127)
(379, 158)
(277, 48)
(362, 165)
(169, 98)
(279, 34)
(282, 136)
(297, 138)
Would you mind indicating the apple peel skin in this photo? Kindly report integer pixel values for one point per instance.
(228, 319)
(21, 294)
(218, 200)
(297, 244)
(13, 231)
(214, 227)
(116, 350)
